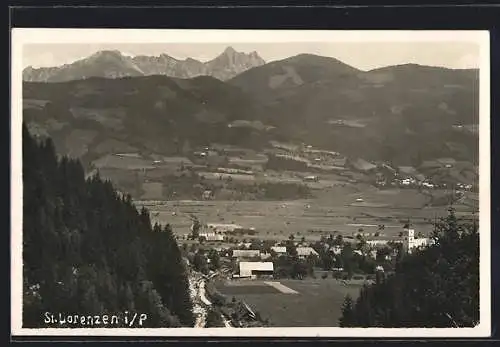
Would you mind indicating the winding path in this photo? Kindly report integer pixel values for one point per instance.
(201, 303)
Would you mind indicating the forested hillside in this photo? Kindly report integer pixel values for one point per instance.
(87, 250)
(436, 287)
(403, 115)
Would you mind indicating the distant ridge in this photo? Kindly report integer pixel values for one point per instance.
(403, 114)
(115, 64)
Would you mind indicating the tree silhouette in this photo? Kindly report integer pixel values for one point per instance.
(86, 248)
(434, 287)
(347, 312)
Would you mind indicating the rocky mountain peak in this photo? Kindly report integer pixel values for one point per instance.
(225, 66)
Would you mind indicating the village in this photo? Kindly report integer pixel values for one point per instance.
(264, 230)
(224, 172)
(217, 272)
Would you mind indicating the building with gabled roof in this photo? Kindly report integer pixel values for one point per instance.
(256, 269)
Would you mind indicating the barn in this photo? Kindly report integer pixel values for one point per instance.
(255, 269)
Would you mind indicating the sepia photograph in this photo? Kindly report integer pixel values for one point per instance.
(250, 183)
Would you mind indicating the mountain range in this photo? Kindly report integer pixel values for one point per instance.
(403, 114)
(114, 64)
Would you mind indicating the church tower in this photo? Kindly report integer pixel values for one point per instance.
(408, 238)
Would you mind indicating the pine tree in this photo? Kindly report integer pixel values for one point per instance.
(87, 249)
(347, 312)
(434, 287)
(214, 319)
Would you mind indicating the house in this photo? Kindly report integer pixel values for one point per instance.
(377, 242)
(279, 249)
(410, 242)
(447, 162)
(224, 227)
(428, 185)
(255, 269)
(336, 249)
(246, 253)
(311, 178)
(211, 236)
(234, 171)
(207, 195)
(304, 252)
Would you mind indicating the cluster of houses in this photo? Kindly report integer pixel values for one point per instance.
(309, 157)
(253, 263)
(217, 231)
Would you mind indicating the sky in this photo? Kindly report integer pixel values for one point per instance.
(362, 55)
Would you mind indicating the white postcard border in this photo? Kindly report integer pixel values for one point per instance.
(22, 36)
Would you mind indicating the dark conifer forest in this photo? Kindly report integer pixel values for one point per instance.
(87, 250)
(437, 287)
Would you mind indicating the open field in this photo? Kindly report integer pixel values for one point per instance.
(332, 210)
(152, 190)
(34, 103)
(111, 161)
(318, 302)
(247, 288)
(78, 141)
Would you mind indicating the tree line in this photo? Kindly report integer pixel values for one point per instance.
(87, 250)
(434, 287)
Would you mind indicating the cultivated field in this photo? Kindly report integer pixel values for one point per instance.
(152, 190)
(316, 302)
(333, 210)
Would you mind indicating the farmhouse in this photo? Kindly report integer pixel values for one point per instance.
(377, 242)
(279, 249)
(446, 161)
(304, 252)
(321, 151)
(234, 171)
(256, 269)
(224, 227)
(211, 236)
(246, 253)
(336, 249)
(207, 195)
(428, 185)
(311, 178)
(128, 155)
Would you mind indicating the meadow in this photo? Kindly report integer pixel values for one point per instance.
(317, 302)
(333, 210)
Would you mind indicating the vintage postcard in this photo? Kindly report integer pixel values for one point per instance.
(250, 183)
